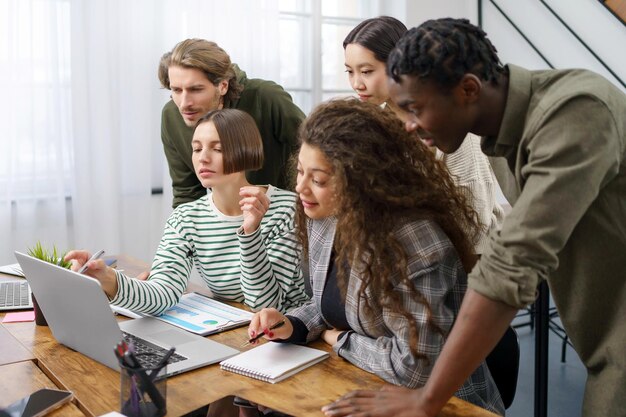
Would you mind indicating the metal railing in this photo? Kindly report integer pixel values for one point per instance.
(535, 48)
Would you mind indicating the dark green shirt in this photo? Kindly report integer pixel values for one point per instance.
(277, 118)
(563, 135)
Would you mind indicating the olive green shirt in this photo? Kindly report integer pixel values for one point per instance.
(277, 118)
(563, 136)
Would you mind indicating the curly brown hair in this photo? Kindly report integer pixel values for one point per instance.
(383, 176)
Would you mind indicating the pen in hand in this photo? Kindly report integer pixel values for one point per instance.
(95, 256)
(260, 335)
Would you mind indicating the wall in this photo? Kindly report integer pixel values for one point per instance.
(418, 11)
(592, 22)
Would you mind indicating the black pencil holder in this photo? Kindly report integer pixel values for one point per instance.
(143, 391)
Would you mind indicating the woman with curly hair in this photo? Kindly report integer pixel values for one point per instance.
(383, 227)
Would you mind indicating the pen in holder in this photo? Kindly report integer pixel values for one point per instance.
(143, 388)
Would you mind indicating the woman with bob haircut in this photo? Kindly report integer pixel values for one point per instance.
(240, 237)
(383, 228)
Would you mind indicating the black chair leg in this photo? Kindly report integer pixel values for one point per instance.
(541, 350)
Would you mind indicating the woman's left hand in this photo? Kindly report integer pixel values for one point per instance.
(254, 204)
(330, 336)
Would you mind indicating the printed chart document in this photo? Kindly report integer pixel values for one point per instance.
(198, 314)
(203, 315)
(273, 362)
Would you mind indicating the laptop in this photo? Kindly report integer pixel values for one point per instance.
(15, 295)
(79, 316)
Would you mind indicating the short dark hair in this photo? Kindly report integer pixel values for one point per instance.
(242, 146)
(378, 34)
(444, 50)
(205, 56)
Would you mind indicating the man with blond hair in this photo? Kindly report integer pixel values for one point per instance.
(202, 78)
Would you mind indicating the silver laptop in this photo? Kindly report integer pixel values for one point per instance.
(15, 295)
(79, 316)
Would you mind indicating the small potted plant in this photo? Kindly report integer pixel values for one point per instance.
(39, 252)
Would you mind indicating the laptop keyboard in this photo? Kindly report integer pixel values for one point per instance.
(149, 354)
(14, 294)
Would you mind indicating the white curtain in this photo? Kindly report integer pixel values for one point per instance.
(80, 149)
(36, 141)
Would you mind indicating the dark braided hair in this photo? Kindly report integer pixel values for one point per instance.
(444, 50)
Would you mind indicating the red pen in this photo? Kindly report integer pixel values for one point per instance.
(260, 335)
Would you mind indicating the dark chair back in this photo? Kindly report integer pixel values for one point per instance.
(503, 364)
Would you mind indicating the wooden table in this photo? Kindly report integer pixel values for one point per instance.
(12, 350)
(20, 379)
(19, 374)
(96, 387)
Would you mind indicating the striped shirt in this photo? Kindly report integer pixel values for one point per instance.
(261, 269)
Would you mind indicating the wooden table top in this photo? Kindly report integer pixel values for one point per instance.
(20, 379)
(97, 388)
(12, 350)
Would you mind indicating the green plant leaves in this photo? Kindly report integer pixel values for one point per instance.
(39, 252)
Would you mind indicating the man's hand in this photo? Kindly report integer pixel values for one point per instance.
(481, 322)
(390, 401)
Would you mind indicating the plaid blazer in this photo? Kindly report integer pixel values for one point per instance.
(379, 341)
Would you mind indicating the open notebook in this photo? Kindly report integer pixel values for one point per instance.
(273, 362)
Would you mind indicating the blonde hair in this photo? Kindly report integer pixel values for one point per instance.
(205, 56)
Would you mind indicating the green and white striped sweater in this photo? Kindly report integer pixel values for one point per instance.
(261, 269)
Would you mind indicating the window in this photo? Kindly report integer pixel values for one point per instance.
(311, 46)
(35, 65)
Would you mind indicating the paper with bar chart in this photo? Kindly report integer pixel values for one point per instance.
(203, 315)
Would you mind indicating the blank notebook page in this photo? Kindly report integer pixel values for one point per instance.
(273, 362)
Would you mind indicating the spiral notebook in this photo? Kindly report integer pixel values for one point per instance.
(273, 362)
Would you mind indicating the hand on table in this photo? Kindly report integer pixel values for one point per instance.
(390, 401)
